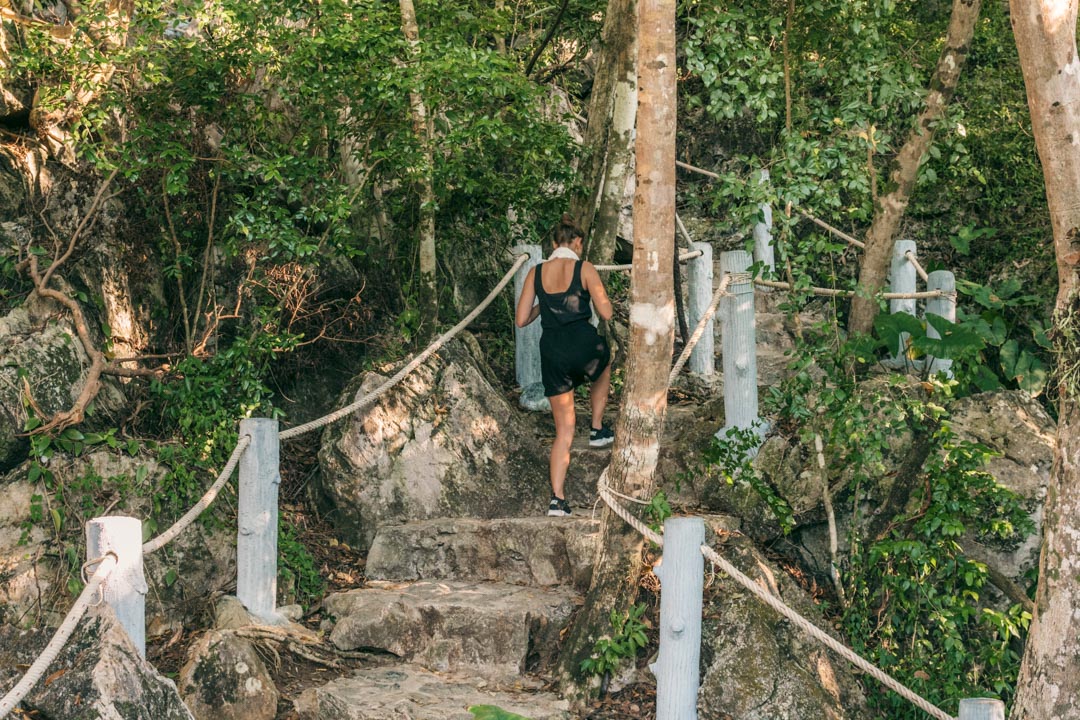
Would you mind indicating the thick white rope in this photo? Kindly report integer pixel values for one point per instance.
(915, 264)
(831, 292)
(824, 638)
(60, 638)
(415, 363)
(721, 291)
(683, 257)
(204, 502)
(775, 603)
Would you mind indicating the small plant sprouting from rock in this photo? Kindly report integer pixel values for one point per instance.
(627, 638)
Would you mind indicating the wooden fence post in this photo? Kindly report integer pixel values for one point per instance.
(527, 339)
(125, 588)
(902, 280)
(739, 349)
(981, 709)
(945, 307)
(257, 515)
(700, 290)
(682, 577)
(764, 252)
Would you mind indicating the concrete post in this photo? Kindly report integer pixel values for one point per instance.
(125, 588)
(764, 252)
(257, 515)
(700, 290)
(982, 709)
(527, 339)
(902, 277)
(739, 348)
(945, 307)
(682, 576)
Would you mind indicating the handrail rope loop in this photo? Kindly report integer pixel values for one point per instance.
(915, 264)
(60, 637)
(400, 375)
(777, 604)
(197, 509)
(833, 292)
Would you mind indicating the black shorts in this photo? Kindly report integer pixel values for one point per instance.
(570, 356)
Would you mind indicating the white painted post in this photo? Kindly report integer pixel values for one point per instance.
(902, 280)
(125, 589)
(700, 290)
(945, 307)
(981, 709)
(739, 348)
(527, 339)
(682, 578)
(257, 515)
(764, 252)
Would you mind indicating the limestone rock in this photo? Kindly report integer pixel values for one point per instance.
(409, 693)
(98, 674)
(225, 679)
(493, 630)
(26, 575)
(48, 353)
(442, 443)
(538, 551)
(759, 666)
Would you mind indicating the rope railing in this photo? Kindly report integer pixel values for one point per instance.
(695, 337)
(33, 674)
(915, 264)
(609, 497)
(205, 501)
(415, 363)
(809, 216)
(832, 292)
(683, 257)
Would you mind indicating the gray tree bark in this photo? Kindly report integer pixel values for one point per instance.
(428, 290)
(652, 336)
(892, 204)
(1049, 683)
(609, 134)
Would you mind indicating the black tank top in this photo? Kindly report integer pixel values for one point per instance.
(563, 308)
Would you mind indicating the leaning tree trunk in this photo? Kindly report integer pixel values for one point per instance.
(891, 206)
(652, 321)
(1049, 684)
(428, 291)
(611, 109)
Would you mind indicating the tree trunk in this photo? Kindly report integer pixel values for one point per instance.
(613, 93)
(428, 291)
(652, 321)
(1049, 683)
(891, 205)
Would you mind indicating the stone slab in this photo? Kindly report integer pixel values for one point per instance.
(404, 692)
(538, 551)
(492, 630)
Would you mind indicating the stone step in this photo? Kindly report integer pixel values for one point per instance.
(493, 630)
(401, 692)
(538, 551)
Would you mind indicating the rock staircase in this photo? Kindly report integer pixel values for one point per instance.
(472, 610)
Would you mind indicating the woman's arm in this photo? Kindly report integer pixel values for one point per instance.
(526, 311)
(591, 279)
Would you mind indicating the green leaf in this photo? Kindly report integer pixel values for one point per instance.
(896, 326)
(141, 473)
(57, 520)
(492, 712)
(171, 577)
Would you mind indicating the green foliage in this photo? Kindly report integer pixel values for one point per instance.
(733, 458)
(298, 575)
(916, 607)
(491, 712)
(658, 510)
(626, 639)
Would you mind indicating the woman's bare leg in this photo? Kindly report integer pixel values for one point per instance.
(598, 395)
(562, 409)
